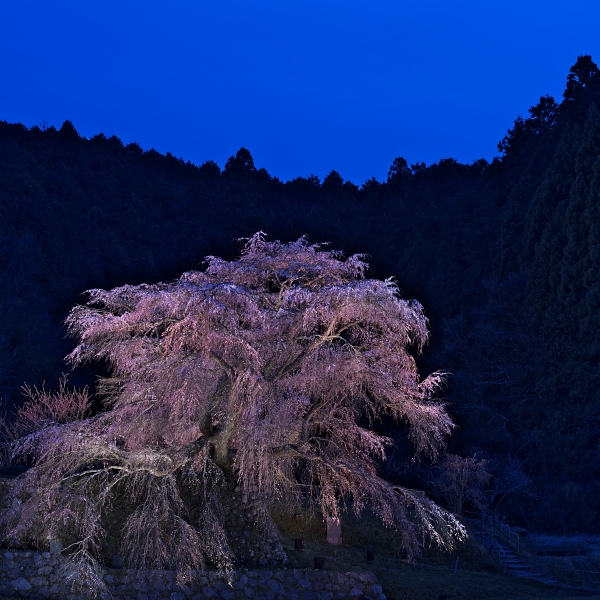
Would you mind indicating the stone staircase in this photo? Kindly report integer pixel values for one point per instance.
(513, 563)
(504, 543)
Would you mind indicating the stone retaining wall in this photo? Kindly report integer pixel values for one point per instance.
(40, 576)
(248, 527)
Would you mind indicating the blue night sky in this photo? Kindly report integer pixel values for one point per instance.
(306, 86)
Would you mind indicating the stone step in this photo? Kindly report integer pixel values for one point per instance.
(513, 562)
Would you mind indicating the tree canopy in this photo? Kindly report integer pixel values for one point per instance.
(502, 254)
(270, 370)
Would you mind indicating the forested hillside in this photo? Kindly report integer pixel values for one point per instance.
(504, 256)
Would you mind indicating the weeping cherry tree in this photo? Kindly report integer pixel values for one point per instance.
(269, 371)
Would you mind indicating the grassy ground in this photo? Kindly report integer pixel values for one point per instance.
(572, 559)
(477, 576)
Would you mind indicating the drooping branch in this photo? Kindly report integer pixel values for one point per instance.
(268, 369)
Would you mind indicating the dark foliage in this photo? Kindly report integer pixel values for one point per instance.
(504, 256)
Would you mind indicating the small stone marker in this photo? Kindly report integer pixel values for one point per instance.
(334, 531)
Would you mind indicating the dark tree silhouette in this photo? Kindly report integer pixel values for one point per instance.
(399, 169)
(580, 76)
(242, 162)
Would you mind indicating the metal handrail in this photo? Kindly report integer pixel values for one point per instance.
(593, 583)
(513, 538)
(583, 572)
(499, 550)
